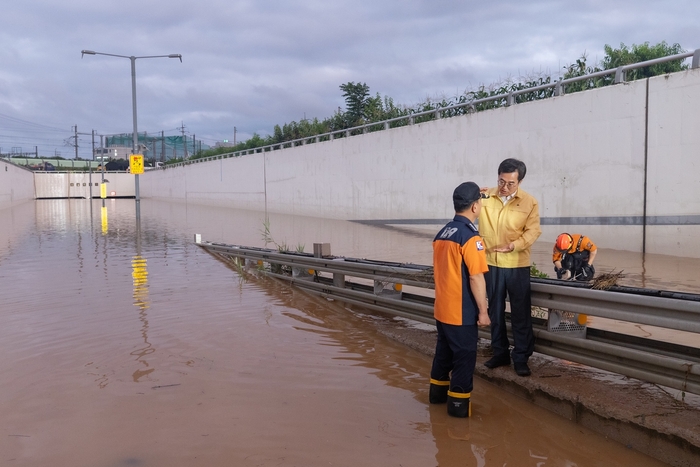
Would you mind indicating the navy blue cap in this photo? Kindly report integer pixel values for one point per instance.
(466, 193)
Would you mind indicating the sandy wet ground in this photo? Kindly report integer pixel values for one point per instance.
(140, 349)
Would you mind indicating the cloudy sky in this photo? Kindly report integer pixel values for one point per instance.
(253, 64)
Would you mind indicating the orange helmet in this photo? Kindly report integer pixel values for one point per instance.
(564, 242)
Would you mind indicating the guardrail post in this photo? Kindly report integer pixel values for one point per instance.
(364, 130)
(322, 249)
(317, 139)
(338, 280)
(558, 89)
(510, 99)
(696, 59)
(438, 114)
(410, 120)
(386, 125)
(330, 136)
(347, 133)
(620, 75)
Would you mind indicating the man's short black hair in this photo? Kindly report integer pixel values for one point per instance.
(513, 165)
(461, 206)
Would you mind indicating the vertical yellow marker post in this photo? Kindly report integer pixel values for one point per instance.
(105, 222)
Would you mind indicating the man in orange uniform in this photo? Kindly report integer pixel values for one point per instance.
(509, 224)
(573, 257)
(459, 264)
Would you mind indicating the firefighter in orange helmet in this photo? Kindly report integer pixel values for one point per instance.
(573, 257)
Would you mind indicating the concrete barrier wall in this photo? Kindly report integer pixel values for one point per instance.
(82, 184)
(673, 193)
(16, 185)
(590, 158)
(237, 182)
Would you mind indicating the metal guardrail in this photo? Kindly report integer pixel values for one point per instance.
(672, 365)
(509, 99)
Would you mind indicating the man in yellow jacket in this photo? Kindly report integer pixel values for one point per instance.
(509, 224)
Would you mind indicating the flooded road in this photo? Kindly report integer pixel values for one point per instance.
(137, 348)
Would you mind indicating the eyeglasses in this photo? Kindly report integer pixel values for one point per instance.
(503, 183)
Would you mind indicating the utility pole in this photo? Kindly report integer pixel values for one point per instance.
(162, 147)
(194, 144)
(184, 140)
(75, 129)
(234, 136)
(76, 141)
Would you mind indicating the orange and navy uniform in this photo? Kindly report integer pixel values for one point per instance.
(458, 252)
(579, 244)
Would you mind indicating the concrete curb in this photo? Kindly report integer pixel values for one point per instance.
(639, 415)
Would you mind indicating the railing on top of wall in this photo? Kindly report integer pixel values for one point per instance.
(507, 99)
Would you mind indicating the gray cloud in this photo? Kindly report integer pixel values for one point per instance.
(254, 64)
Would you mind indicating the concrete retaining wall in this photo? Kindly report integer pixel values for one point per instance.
(16, 185)
(82, 184)
(616, 163)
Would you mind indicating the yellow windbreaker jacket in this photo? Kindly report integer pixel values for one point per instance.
(517, 221)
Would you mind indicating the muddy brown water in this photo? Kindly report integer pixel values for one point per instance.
(122, 348)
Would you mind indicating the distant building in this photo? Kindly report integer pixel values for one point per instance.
(112, 153)
(154, 146)
(224, 144)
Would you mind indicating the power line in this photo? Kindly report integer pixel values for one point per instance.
(32, 124)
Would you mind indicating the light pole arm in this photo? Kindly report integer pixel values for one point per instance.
(92, 52)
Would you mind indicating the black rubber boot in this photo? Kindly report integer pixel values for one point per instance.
(459, 404)
(438, 391)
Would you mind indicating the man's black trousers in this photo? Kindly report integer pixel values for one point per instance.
(515, 283)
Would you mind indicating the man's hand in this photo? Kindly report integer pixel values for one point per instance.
(483, 320)
(588, 271)
(505, 249)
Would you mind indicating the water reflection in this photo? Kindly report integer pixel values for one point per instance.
(456, 442)
(140, 279)
(139, 276)
(252, 370)
(104, 218)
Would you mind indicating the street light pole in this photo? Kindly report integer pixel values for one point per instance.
(135, 140)
(135, 136)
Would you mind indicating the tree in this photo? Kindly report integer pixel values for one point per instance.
(356, 100)
(624, 56)
(363, 109)
(581, 68)
(641, 53)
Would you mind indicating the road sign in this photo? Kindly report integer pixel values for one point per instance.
(136, 164)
